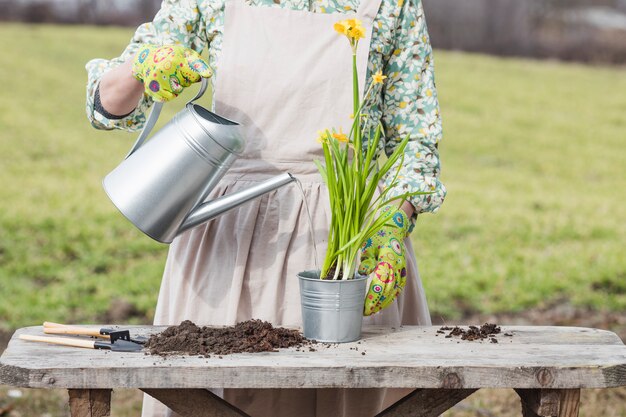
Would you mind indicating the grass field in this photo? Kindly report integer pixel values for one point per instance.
(533, 157)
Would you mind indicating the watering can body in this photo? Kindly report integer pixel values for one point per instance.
(162, 185)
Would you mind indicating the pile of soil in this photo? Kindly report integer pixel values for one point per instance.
(248, 336)
(472, 333)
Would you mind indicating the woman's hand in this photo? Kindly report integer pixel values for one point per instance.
(384, 255)
(166, 70)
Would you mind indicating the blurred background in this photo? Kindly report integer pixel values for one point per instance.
(533, 231)
(580, 30)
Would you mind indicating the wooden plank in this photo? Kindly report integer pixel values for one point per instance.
(421, 359)
(90, 402)
(195, 403)
(426, 403)
(570, 402)
(539, 402)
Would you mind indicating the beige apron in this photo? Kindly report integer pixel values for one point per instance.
(284, 74)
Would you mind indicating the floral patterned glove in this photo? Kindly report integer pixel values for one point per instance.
(166, 70)
(383, 255)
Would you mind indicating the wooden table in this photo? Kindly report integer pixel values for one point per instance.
(546, 366)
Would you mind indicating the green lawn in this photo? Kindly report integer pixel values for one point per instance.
(533, 158)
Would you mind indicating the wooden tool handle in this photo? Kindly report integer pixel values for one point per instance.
(74, 330)
(51, 324)
(65, 341)
(56, 328)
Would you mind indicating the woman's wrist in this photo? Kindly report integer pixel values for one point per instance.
(119, 90)
(408, 209)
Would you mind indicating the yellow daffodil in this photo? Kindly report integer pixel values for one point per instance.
(341, 137)
(341, 27)
(351, 159)
(356, 33)
(378, 77)
(322, 136)
(352, 28)
(353, 22)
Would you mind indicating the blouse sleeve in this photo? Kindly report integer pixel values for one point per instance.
(410, 107)
(177, 22)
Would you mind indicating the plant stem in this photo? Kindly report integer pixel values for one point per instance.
(356, 105)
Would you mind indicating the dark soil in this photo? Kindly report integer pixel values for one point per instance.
(248, 336)
(471, 333)
(331, 273)
(558, 313)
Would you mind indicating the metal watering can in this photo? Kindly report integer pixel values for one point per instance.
(161, 186)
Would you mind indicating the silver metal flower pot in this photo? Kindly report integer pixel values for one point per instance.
(332, 311)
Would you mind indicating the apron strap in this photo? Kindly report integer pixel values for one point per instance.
(368, 9)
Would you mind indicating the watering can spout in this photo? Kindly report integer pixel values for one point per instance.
(211, 209)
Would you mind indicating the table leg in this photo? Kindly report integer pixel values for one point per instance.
(539, 402)
(426, 402)
(570, 402)
(195, 403)
(90, 402)
(549, 402)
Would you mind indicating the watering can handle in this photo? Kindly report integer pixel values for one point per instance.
(154, 116)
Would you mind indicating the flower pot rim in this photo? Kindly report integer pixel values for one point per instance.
(316, 272)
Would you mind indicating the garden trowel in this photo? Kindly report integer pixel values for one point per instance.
(117, 346)
(104, 333)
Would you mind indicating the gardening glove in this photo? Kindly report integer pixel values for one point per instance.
(383, 255)
(166, 70)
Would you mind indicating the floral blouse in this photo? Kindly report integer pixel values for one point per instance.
(400, 45)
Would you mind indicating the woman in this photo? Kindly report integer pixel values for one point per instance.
(276, 71)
